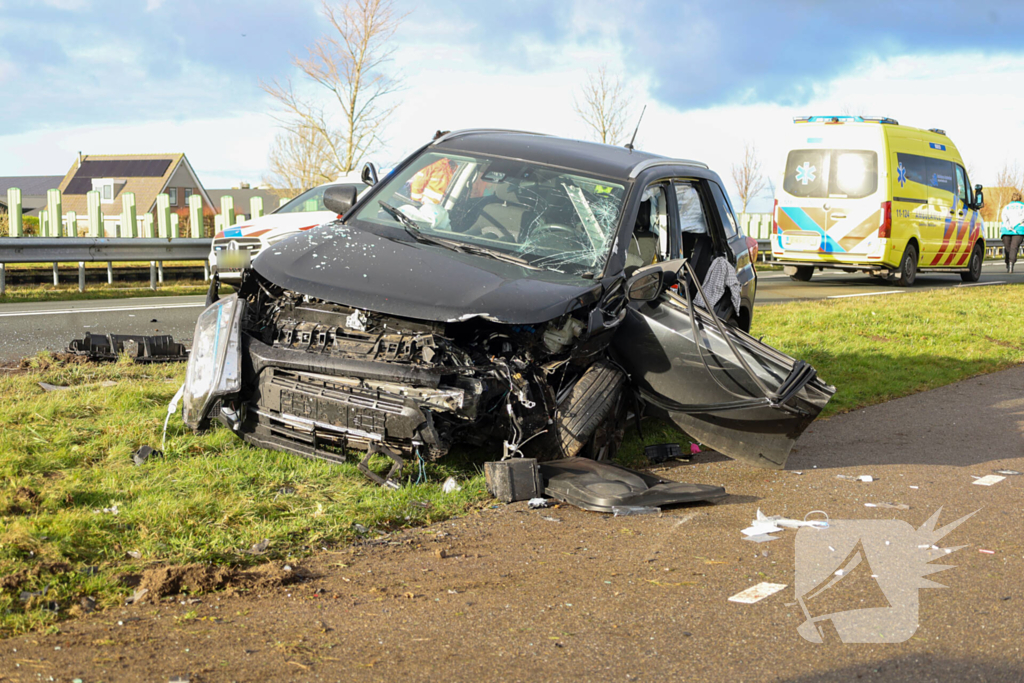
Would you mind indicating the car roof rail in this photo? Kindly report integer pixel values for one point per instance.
(475, 131)
(651, 163)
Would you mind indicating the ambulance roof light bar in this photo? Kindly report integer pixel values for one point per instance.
(844, 118)
(938, 131)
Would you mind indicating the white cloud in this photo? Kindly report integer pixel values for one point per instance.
(971, 96)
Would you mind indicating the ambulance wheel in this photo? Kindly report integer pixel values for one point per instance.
(801, 273)
(908, 267)
(973, 273)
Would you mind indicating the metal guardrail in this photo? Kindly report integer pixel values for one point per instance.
(81, 249)
(993, 247)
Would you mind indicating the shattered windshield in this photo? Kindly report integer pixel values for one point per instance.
(549, 218)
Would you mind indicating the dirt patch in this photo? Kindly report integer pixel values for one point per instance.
(160, 582)
(1004, 344)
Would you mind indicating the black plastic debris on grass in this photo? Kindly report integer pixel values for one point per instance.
(140, 348)
(145, 453)
(660, 452)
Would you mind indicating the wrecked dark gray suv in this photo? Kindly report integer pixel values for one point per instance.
(515, 291)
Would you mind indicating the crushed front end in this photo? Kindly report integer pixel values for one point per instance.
(319, 378)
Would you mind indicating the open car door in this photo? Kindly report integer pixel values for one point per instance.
(717, 383)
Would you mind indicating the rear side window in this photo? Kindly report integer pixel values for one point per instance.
(923, 170)
(823, 173)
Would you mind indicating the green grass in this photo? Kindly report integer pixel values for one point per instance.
(66, 455)
(69, 292)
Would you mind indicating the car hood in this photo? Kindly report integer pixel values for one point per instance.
(358, 268)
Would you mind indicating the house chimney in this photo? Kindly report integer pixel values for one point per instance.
(79, 158)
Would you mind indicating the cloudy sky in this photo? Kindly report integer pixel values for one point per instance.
(130, 76)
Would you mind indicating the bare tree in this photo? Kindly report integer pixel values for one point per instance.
(298, 161)
(603, 106)
(349, 64)
(747, 176)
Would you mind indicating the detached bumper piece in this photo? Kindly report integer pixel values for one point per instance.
(140, 348)
(599, 486)
(589, 484)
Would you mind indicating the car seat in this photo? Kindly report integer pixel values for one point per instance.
(643, 243)
(498, 216)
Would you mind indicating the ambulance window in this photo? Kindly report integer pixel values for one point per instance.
(823, 173)
(926, 171)
(805, 173)
(854, 173)
(963, 188)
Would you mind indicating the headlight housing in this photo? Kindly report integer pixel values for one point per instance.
(215, 363)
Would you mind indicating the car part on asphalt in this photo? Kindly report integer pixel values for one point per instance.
(140, 348)
(509, 291)
(514, 479)
(601, 486)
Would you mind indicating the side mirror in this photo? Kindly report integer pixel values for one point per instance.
(646, 284)
(369, 174)
(339, 198)
(979, 197)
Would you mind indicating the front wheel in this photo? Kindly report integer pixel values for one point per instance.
(908, 267)
(973, 273)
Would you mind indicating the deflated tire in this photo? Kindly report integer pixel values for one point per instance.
(591, 402)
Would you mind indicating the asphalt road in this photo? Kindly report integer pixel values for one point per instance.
(775, 287)
(26, 329)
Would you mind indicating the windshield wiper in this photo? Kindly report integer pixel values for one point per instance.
(407, 223)
(414, 230)
(495, 254)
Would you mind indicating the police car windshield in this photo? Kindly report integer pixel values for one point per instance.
(824, 173)
(312, 200)
(549, 217)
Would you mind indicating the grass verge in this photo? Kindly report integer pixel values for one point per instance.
(69, 292)
(65, 456)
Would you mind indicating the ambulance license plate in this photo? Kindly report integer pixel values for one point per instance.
(804, 242)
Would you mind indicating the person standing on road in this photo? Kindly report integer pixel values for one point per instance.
(1013, 229)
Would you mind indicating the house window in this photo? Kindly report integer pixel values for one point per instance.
(105, 186)
(172, 192)
(188, 193)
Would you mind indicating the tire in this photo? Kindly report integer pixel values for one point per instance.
(974, 264)
(593, 399)
(803, 273)
(908, 267)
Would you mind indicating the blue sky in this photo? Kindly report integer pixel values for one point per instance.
(182, 75)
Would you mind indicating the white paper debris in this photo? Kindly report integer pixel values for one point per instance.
(450, 485)
(862, 477)
(779, 520)
(535, 503)
(757, 529)
(761, 538)
(756, 593)
(988, 480)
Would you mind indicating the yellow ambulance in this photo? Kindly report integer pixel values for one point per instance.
(867, 194)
